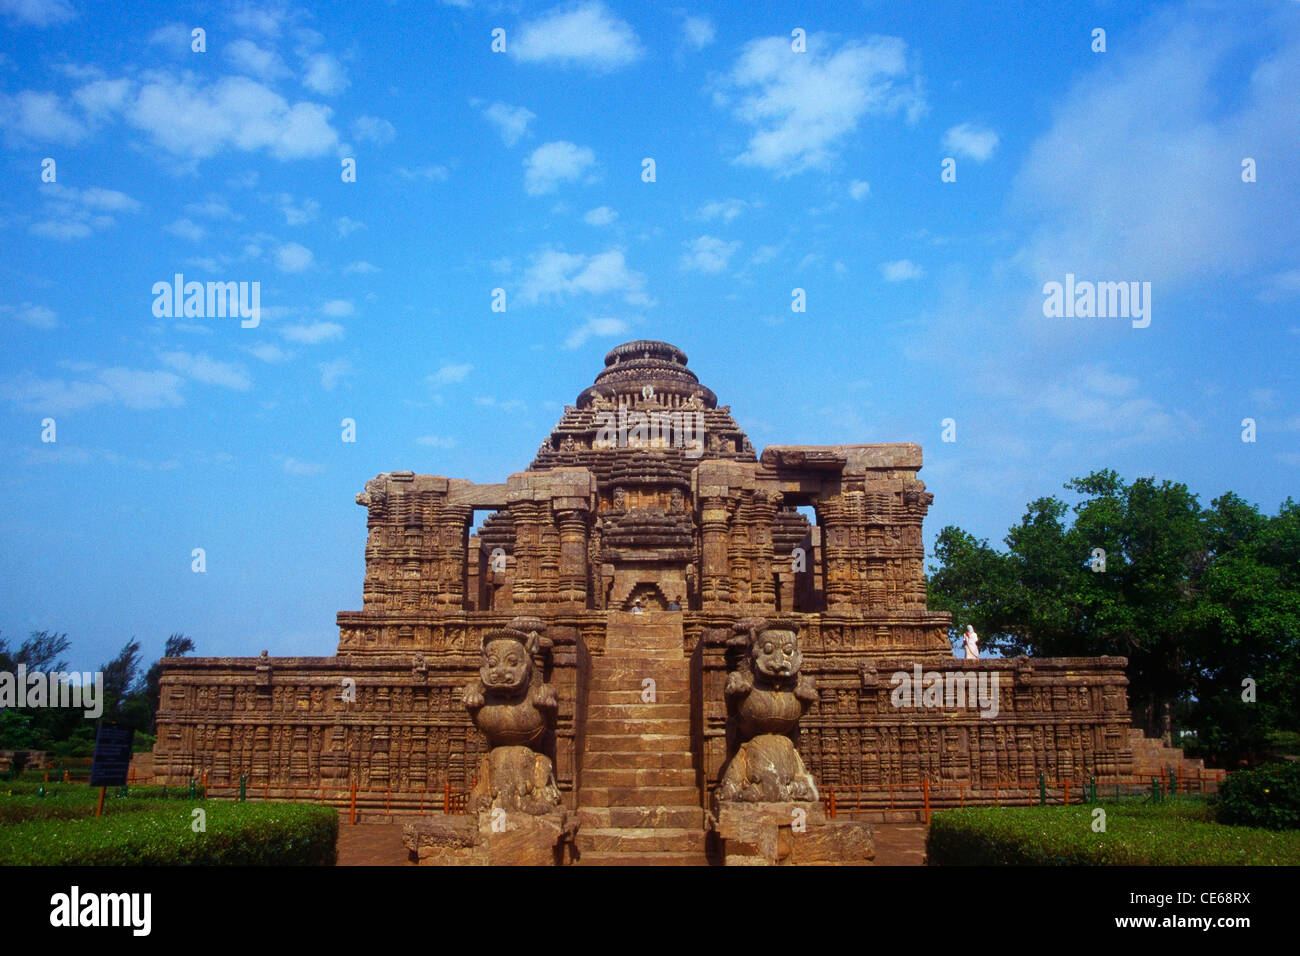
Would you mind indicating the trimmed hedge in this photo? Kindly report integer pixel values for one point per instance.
(1174, 833)
(85, 793)
(158, 833)
(1268, 797)
(20, 809)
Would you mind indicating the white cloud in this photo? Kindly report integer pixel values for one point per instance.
(554, 163)
(269, 353)
(186, 229)
(324, 75)
(1170, 205)
(213, 208)
(436, 441)
(174, 36)
(293, 466)
(291, 257)
(54, 229)
(77, 213)
(600, 216)
(1283, 285)
(297, 214)
(347, 226)
(247, 57)
(374, 129)
(698, 32)
(708, 254)
(1092, 399)
(332, 373)
(313, 333)
(360, 267)
(587, 35)
(39, 118)
(511, 121)
(197, 121)
(593, 328)
(450, 374)
(37, 316)
(859, 189)
(556, 275)
(133, 388)
(901, 270)
(974, 142)
(338, 308)
(209, 371)
(724, 209)
(37, 13)
(100, 98)
(433, 174)
(803, 105)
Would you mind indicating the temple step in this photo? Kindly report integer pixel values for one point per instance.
(640, 840)
(637, 760)
(653, 858)
(639, 803)
(638, 818)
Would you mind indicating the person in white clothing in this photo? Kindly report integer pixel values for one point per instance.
(970, 641)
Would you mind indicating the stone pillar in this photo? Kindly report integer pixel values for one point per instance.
(713, 566)
(573, 555)
(451, 528)
(835, 517)
(762, 588)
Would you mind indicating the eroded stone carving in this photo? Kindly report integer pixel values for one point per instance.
(515, 709)
(766, 696)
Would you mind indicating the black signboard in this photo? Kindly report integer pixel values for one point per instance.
(112, 760)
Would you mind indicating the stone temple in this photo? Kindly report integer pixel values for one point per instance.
(644, 537)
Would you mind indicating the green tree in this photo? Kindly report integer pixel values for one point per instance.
(120, 678)
(178, 645)
(1196, 599)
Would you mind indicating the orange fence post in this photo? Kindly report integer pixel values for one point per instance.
(995, 794)
(891, 796)
(925, 791)
(1067, 793)
(353, 811)
(832, 803)
(388, 796)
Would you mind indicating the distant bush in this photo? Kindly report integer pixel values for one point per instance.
(1268, 797)
(159, 833)
(1174, 833)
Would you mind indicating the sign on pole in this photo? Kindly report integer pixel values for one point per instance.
(112, 760)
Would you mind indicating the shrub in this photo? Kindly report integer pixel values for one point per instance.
(1177, 832)
(160, 834)
(1268, 797)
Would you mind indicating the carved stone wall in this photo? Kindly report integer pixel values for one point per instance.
(618, 506)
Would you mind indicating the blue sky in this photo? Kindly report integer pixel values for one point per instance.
(775, 169)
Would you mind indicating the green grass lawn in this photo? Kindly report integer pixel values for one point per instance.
(1176, 832)
(142, 829)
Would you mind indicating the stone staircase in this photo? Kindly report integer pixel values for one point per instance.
(1151, 758)
(639, 803)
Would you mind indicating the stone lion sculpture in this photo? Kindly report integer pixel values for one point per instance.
(766, 696)
(516, 711)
